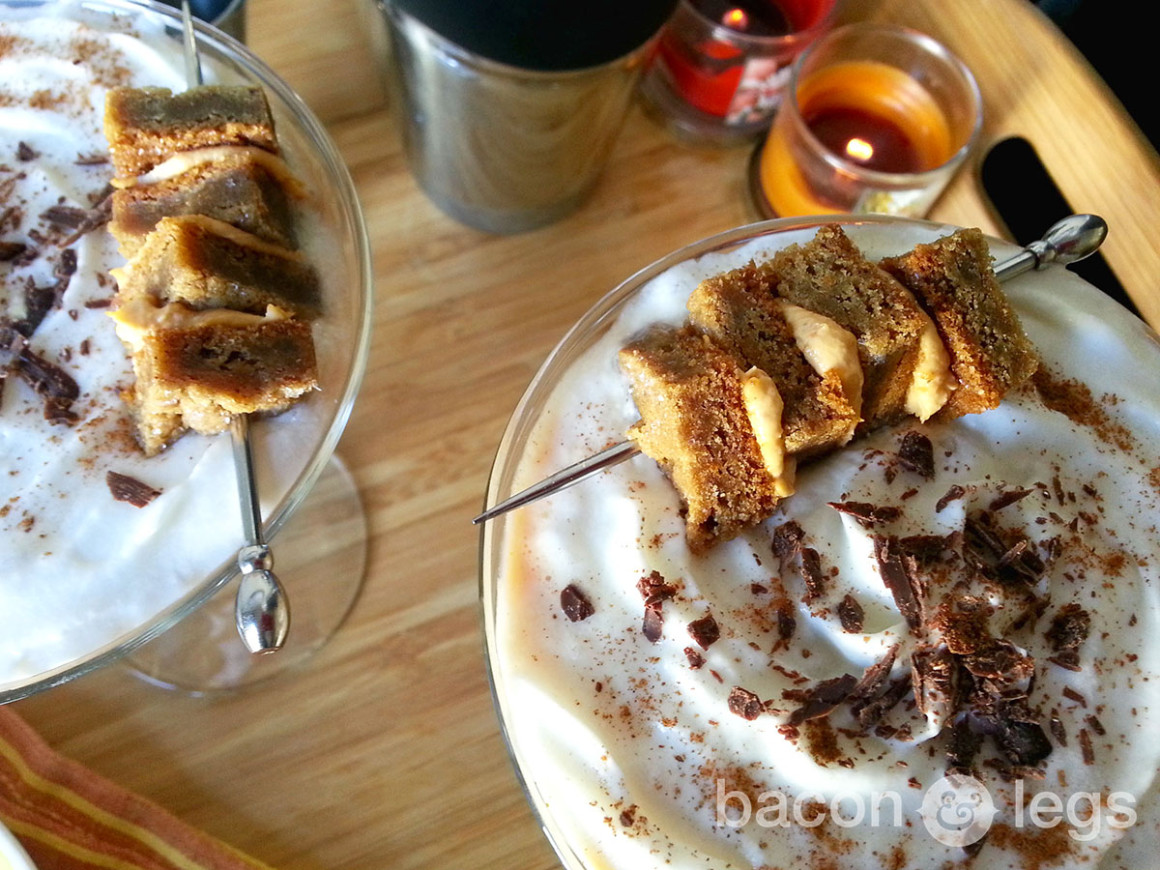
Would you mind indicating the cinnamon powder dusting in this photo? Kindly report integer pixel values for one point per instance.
(1074, 400)
(1039, 848)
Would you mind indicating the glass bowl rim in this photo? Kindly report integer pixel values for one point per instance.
(334, 167)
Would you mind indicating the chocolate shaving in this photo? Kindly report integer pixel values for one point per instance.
(11, 250)
(25, 152)
(928, 549)
(981, 543)
(93, 219)
(786, 624)
(905, 588)
(653, 587)
(65, 268)
(812, 574)
(787, 539)
(1085, 745)
(871, 712)
(65, 216)
(1014, 564)
(917, 453)
(652, 626)
(964, 746)
(823, 698)
(53, 383)
(873, 684)
(1072, 695)
(1021, 564)
(868, 515)
(851, 614)
(953, 494)
(1003, 667)
(745, 704)
(1069, 628)
(38, 301)
(575, 603)
(130, 489)
(1067, 659)
(655, 591)
(1023, 742)
(1004, 499)
(1019, 738)
(934, 673)
(695, 659)
(704, 631)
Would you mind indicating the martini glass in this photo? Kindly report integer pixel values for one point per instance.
(575, 405)
(312, 515)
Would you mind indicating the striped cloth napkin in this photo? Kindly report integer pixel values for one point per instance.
(69, 818)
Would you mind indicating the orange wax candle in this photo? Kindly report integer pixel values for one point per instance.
(870, 116)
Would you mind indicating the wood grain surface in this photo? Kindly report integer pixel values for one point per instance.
(383, 751)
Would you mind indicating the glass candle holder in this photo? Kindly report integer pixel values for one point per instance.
(721, 66)
(875, 119)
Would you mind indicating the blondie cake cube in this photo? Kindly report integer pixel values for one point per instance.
(954, 280)
(196, 369)
(694, 423)
(830, 275)
(233, 185)
(207, 263)
(741, 311)
(145, 126)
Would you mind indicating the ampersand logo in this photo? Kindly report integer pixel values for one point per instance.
(957, 810)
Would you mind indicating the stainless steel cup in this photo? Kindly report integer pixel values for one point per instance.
(500, 147)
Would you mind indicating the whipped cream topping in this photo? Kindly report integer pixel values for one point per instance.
(681, 753)
(80, 571)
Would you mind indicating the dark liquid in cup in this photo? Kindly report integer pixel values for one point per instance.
(866, 138)
(539, 35)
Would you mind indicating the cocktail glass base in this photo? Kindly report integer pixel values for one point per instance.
(320, 557)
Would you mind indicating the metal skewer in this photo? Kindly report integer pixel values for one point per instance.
(1067, 241)
(261, 609)
(189, 47)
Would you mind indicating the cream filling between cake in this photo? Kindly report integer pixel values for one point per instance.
(828, 348)
(764, 407)
(138, 316)
(933, 381)
(241, 237)
(184, 161)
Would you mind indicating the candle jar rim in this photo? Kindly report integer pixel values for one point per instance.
(804, 36)
(904, 34)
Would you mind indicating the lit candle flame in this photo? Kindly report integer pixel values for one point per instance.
(736, 19)
(860, 149)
